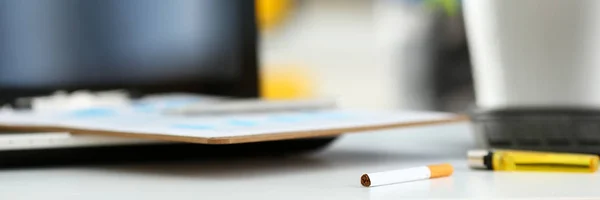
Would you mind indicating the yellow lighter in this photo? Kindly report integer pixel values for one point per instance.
(513, 160)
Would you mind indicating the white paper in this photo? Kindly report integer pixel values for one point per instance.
(130, 121)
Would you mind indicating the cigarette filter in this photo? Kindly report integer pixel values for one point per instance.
(406, 175)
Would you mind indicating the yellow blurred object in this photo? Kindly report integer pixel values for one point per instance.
(279, 83)
(271, 13)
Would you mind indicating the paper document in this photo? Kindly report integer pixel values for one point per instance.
(147, 120)
(217, 126)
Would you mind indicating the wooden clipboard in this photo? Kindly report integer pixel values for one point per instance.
(236, 139)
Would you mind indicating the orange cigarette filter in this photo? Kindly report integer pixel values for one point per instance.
(440, 170)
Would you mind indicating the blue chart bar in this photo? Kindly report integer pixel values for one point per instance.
(193, 126)
(245, 123)
(94, 112)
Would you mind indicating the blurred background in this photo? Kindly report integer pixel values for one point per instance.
(378, 54)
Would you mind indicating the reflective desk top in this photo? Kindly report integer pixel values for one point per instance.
(333, 173)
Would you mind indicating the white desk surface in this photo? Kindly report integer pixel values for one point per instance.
(330, 174)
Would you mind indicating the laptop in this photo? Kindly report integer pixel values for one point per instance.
(200, 47)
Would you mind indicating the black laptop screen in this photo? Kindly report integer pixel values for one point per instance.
(152, 45)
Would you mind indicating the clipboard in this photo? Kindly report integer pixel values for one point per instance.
(223, 129)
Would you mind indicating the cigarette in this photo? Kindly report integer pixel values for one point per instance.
(406, 175)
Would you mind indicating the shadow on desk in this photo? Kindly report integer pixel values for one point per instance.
(156, 153)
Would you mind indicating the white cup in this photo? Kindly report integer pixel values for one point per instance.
(535, 53)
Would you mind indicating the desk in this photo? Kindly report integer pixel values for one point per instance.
(330, 174)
